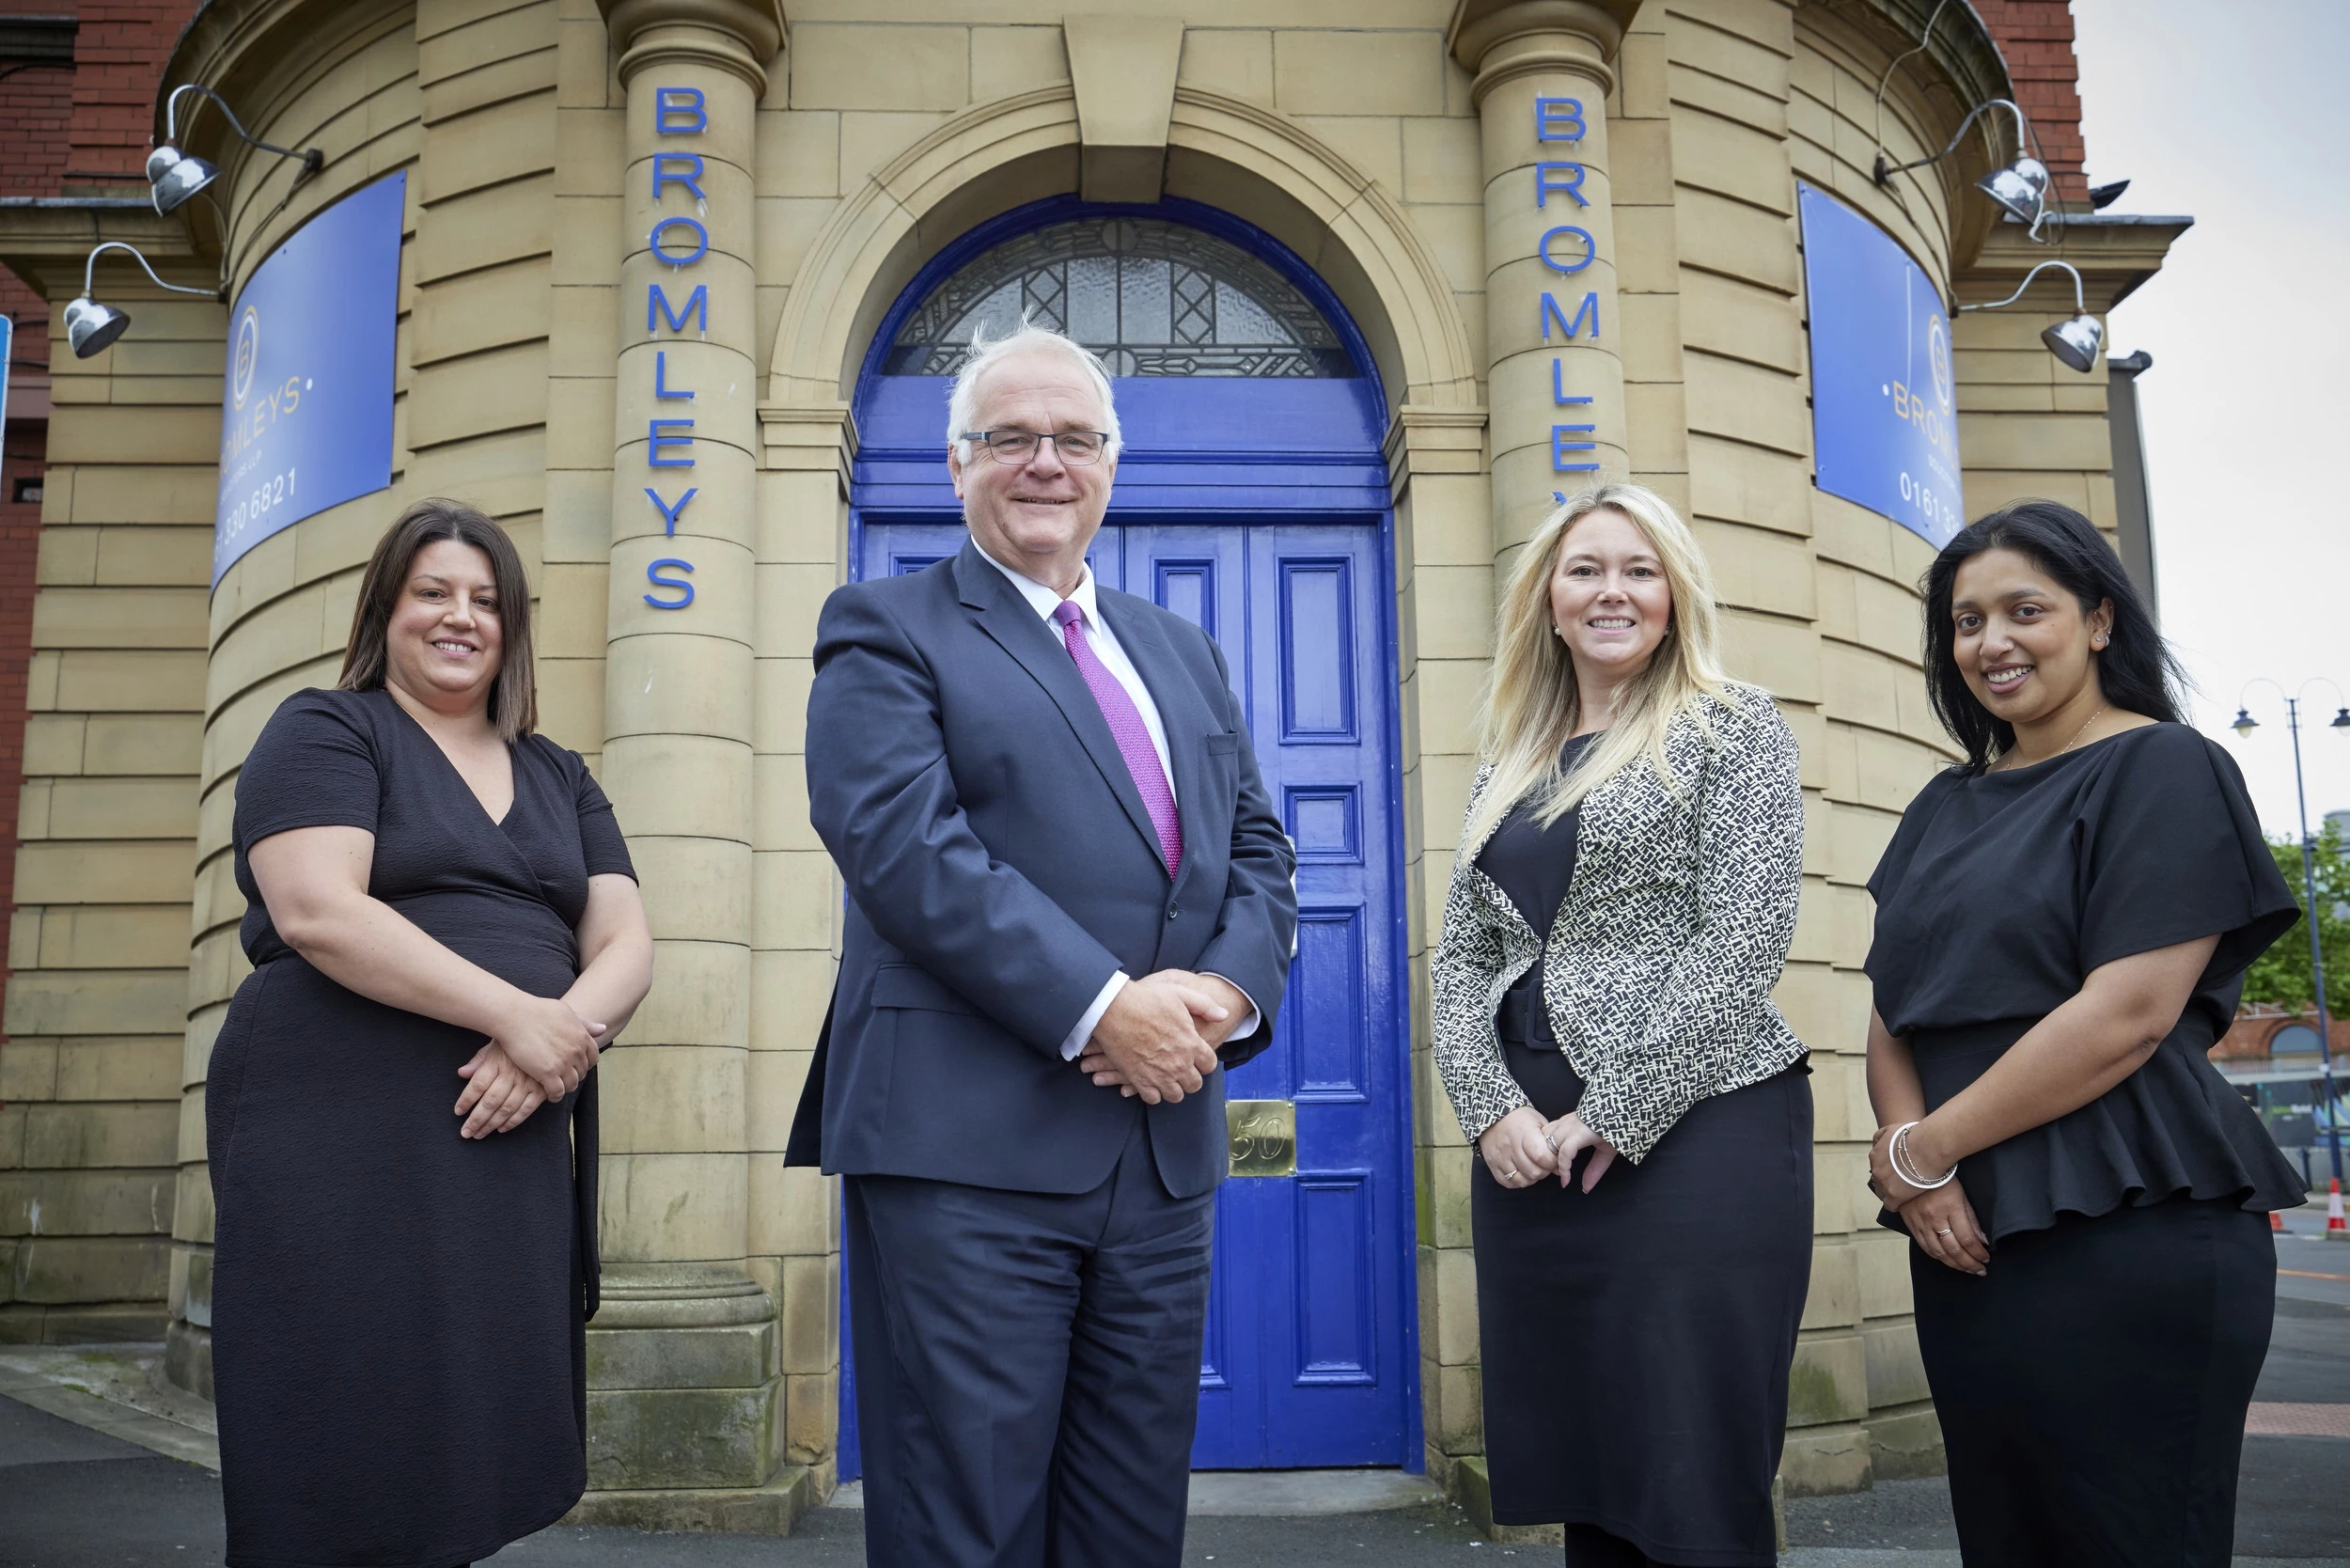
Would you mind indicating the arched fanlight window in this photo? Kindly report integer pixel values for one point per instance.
(1151, 298)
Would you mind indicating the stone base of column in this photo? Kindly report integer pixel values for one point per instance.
(1906, 1445)
(686, 1427)
(769, 1510)
(25, 1324)
(1826, 1461)
(188, 1357)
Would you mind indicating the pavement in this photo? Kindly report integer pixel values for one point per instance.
(103, 1465)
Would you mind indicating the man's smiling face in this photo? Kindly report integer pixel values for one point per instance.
(1037, 517)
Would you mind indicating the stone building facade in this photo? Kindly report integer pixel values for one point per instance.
(1386, 162)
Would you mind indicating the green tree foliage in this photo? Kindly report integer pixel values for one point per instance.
(2281, 976)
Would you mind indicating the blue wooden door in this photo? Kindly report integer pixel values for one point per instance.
(1251, 498)
(1307, 1357)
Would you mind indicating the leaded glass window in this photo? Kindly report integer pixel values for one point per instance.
(1151, 298)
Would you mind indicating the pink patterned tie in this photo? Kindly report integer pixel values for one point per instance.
(1132, 734)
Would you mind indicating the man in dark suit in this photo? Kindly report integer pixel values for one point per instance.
(1070, 905)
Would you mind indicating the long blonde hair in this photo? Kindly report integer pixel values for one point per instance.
(1532, 705)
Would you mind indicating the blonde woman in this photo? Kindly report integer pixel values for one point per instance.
(1621, 908)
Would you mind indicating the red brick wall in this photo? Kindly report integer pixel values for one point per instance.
(118, 58)
(35, 110)
(2036, 36)
(19, 542)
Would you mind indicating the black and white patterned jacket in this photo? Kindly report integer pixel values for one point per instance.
(1674, 930)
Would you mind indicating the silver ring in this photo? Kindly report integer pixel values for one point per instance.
(1946, 1230)
(1552, 1141)
(1509, 1175)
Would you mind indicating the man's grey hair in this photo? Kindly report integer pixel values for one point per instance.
(963, 402)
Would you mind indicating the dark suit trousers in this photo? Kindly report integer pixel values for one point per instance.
(1027, 1368)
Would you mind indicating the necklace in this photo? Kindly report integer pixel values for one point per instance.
(2068, 746)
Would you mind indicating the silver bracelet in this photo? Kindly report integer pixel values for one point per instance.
(1897, 1151)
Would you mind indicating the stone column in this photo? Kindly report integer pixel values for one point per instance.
(685, 1425)
(1555, 369)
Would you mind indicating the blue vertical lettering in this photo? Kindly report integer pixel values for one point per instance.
(670, 513)
(1560, 446)
(1589, 308)
(701, 242)
(1559, 385)
(661, 375)
(679, 111)
(678, 169)
(1571, 183)
(1552, 118)
(657, 307)
(656, 443)
(653, 575)
(1591, 249)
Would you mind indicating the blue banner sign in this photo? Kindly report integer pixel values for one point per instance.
(305, 418)
(1883, 404)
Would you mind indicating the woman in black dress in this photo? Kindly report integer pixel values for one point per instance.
(1622, 905)
(400, 1105)
(2064, 921)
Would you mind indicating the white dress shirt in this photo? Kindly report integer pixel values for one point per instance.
(1104, 642)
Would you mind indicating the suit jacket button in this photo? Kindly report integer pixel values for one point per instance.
(1170, 915)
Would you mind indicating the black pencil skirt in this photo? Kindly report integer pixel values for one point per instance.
(1636, 1339)
(2092, 1385)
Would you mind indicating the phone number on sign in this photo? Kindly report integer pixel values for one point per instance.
(260, 502)
(1928, 501)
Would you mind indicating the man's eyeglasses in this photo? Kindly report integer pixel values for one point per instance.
(1076, 447)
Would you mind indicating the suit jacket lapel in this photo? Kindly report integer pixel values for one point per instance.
(1184, 713)
(1003, 615)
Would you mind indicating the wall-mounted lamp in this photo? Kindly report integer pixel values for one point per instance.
(177, 176)
(2075, 340)
(2021, 187)
(91, 326)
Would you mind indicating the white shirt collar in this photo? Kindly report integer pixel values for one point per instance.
(1042, 599)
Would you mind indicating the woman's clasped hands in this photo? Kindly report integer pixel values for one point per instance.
(541, 1054)
(1521, 1148)
(1939, 1217)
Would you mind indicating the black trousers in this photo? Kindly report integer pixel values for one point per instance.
(1027, 1368)
(2093, 1386)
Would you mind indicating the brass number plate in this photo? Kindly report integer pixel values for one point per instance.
(1263, 1135)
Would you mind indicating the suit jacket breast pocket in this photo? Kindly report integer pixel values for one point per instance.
(1219, 756)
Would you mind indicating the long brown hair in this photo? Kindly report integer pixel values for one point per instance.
(514, 691)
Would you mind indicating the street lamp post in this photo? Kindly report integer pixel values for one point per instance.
(2245, 725)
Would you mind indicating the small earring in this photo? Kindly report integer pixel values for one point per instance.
(1558, 631)
(2099, 641)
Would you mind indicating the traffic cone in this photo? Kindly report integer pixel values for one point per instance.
(2277, 1220)
(2336, 1227)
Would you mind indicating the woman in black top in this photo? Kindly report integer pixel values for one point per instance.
(1621, 907)
(2062, 926)
(400, 1105)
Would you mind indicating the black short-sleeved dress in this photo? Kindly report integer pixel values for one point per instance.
(2093, 1387)
(398, 1313)
(1636, 1339)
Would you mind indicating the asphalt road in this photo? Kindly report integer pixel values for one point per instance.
(75, 1499)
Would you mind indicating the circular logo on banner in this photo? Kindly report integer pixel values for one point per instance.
(1938, 356)
(248, 355)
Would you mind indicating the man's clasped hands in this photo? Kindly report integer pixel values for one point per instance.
(1159, 1035)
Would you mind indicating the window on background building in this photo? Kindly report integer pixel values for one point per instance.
(2293, 1040)
(1151, 298)
(26, 489)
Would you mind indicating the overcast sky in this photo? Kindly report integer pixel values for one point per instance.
(2237, 115)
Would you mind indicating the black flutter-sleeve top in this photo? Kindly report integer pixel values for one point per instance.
(2001, 891)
